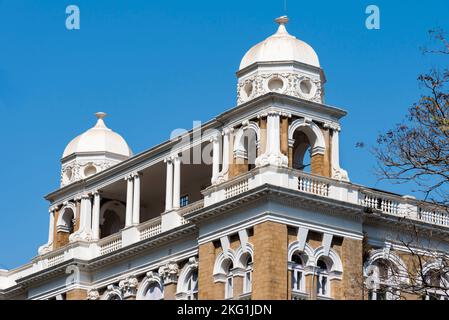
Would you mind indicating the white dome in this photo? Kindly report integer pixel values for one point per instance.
(98, 139)
(281, 47)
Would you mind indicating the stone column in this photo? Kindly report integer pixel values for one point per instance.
(136, 200)
(96, 216)
(129, 201)
(216, 158)
(177, 182)
(169, 185)
(85, 229)
(223, 175)
(51, 233)
(86, 214)
(51, 227)
(273, 155)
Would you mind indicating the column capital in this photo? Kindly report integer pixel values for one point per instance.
(274, 112)
(169, 272)
(136, 174)
(129, 286)
(85, 196)
(215, 138)
(93, 294)
(332, 126)
(227, 131)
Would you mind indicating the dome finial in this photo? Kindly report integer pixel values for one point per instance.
(100, 116)
(282, 21)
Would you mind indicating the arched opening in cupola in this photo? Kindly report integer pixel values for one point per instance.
(65, 226)
(307, 150)
(246, 143)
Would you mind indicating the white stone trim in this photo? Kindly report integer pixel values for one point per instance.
(313, 133)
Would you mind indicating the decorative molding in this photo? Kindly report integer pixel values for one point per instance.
(169, 273)
(258, 84)
(128, 287)
(93, 294)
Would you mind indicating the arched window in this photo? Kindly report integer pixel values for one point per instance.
(323, 284)
(229, 284)
(248, 280)
(298, 277)
(380, 273)
(436, 284)
(192, 285)
(187, 288)
(153, 292)
(114, 296)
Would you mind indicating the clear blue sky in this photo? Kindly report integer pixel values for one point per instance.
(158, 65)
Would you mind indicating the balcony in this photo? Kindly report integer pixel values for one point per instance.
(369, 200)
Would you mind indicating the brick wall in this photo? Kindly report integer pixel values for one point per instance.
(270, 242)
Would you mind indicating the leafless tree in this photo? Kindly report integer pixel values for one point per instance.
(416, 151)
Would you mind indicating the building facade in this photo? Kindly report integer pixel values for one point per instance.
(252, 205)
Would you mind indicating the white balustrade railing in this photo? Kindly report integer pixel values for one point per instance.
(55, 260)
(313, 185)
(236, 188)
(150, 229)
(110, 244)
(438, 217)
(378, 202)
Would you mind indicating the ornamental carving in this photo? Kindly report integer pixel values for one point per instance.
(169, 273)
(128, 287)
(292, 84)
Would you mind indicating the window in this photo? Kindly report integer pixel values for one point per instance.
(184, 201)
(381, 274)
(322, 279)
(248, 281)
(192, 286)
(298, 281)
(229, 285)
(436, 281)
(154, 292)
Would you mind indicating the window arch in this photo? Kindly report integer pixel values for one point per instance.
(229, 283)
(187, 288)
(323, 283)
(436, 281)
(298, 262)
(246, 145)
(248, 276)
(66, 220)
(384, 272)
(151, 288)
(307, 145)
(112, 218)
(112, 293)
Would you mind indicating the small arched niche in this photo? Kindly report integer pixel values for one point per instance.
(112, 218)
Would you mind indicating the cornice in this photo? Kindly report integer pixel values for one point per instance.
(273, 193)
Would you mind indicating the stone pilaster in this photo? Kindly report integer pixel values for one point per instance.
(270, 242)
